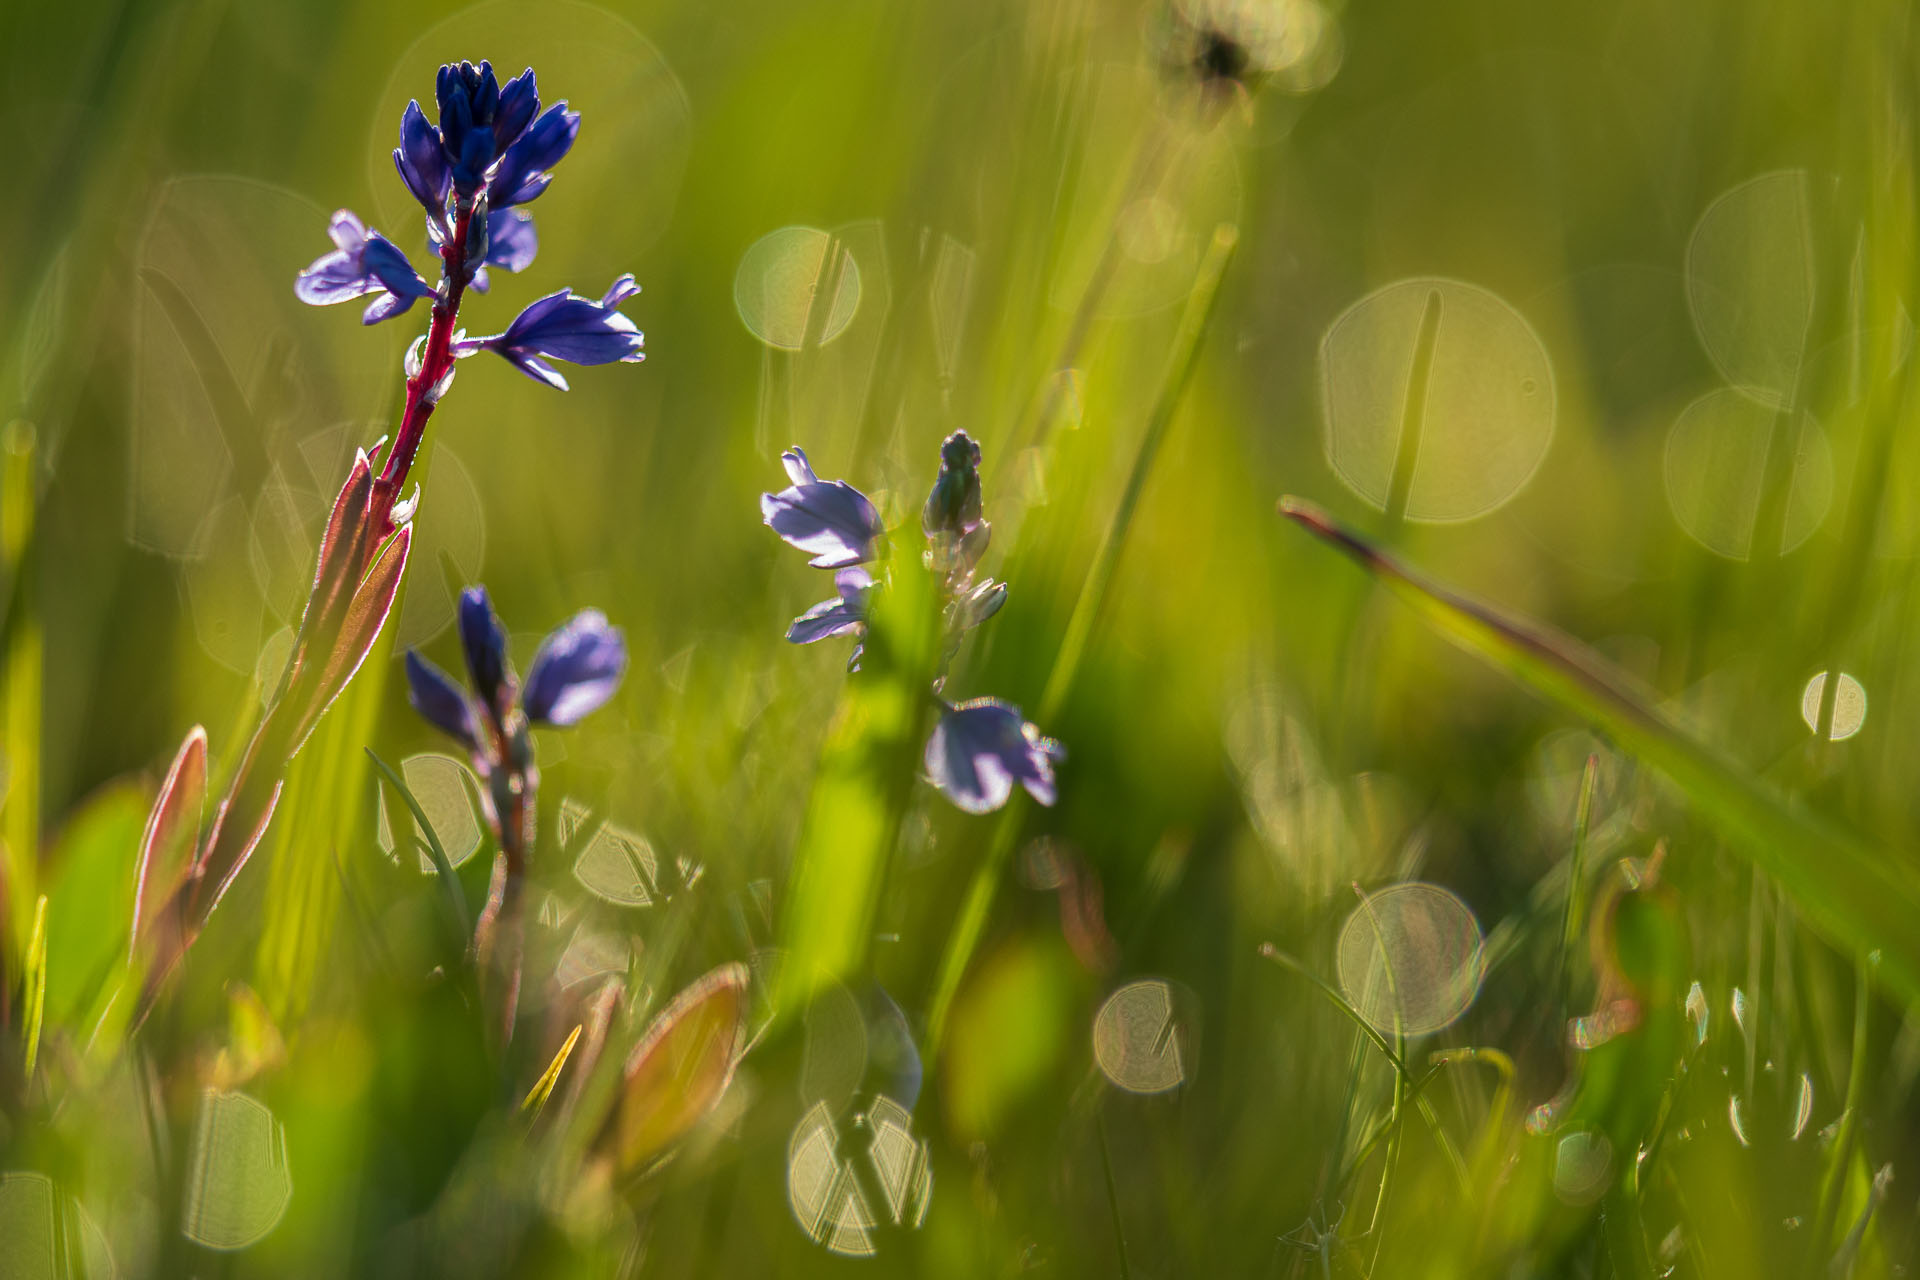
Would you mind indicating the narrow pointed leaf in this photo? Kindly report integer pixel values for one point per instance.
(536, 1099)
(366, 615)
(221, 876)
(1860, 896)
(173, 827)
(35, 1010)
(349, 514)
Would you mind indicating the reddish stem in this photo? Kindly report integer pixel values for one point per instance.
(434, 364)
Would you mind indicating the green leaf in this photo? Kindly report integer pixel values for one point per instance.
(91, 890)
(1862, 897)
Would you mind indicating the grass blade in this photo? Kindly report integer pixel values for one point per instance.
(449, 881)
(36, 986)
(536, 1099)
(1861, 897)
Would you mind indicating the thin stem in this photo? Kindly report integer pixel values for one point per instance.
(1576, 879)
(1414, 413)
(435, 361)
(1113, 1196)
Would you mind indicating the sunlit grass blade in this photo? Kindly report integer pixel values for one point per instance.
(1859, 896)
(34, 1009)
(457, 908)
(21, 651)
(536, 1099)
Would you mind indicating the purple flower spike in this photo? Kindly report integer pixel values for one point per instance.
(484, 638)
(363, 262)
(575, 671)
(831, 521)
(525, 170)
(441, 702)
(566, 326)
(980, 748)
(845, 612)
(422, 163)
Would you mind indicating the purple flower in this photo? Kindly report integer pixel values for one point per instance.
(490, 137)
(483, 637)
(523, 171)
(831, 521)
(480, 120)
(980, 748)
(422, 163)
(845, 612)
(363, 262)
(576, 669)
(566, 326)
(442, 702)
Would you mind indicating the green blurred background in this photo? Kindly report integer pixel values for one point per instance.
(1659, 237)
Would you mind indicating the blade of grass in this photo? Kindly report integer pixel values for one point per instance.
(1340, 1002)
(21, 645)
(536, 1099)
(35, 1008)
(449, 881)
(1194, 323)
(1854, 893)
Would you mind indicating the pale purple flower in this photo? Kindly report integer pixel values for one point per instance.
(566, 326)
(362, 262)
(846, 612)
(980, 748)
(830, 520)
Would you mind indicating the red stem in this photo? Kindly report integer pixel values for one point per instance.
(434, 364)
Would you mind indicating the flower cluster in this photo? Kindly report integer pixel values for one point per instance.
(575, 670)
(492, 152)
(981, 747)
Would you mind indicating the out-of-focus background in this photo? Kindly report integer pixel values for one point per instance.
(1649, 268)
